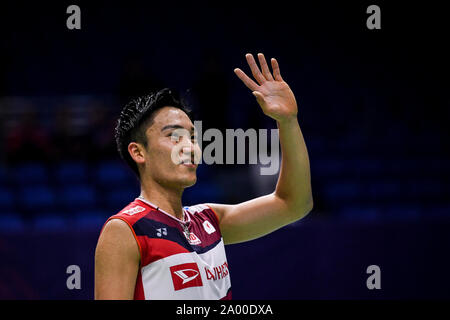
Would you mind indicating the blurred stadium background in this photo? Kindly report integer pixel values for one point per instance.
(373, 108)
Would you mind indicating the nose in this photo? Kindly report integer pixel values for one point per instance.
(187, 149)
(190, 151)
(188, 146)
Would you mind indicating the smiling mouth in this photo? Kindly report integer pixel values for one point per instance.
(189, 163)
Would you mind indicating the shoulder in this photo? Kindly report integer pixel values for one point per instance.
(117, 240)
(119, 230)
(133, 212)
(116, 229)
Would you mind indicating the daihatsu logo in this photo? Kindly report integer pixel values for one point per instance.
(186, 275)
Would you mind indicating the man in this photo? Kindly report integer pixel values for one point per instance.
(156, 249)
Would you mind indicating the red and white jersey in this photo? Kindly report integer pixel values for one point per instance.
(179, 259)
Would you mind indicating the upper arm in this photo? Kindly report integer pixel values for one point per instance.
(117, 259)
(255, 218)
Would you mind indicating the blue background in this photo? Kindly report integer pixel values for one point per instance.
(373, 108)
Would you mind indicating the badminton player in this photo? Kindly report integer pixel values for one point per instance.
(155, 248)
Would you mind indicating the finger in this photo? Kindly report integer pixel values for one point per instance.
(264, 67)
(255, 70)
(276, 70)
(245, 79)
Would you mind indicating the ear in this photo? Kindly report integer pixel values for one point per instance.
(137, 152)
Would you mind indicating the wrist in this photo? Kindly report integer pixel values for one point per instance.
(287, 121)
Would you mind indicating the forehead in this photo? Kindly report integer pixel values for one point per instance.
(169, 116)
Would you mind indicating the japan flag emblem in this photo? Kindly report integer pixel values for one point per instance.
(209, 228)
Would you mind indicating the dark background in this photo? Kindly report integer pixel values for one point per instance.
(373, 108)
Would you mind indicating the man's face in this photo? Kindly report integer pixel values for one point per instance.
(171, 140)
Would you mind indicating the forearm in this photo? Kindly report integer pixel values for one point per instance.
(277, 101)
(294, 181)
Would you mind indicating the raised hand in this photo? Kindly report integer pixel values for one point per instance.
(272, 93)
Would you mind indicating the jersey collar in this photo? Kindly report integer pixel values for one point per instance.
(186, 215)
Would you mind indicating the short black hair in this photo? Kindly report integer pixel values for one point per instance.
(137, 115)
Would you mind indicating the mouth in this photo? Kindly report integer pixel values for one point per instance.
(189, 163)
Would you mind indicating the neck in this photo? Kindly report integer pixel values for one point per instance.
(165, 198)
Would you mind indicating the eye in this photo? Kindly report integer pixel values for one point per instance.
(174, 136)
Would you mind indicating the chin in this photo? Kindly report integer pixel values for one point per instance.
(183, 181)
(189, 182)
(187, 179)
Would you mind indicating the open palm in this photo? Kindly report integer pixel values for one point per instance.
(273, 94)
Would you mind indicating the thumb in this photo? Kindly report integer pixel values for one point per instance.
(259, 97)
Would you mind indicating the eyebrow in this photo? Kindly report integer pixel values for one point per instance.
(174, 126)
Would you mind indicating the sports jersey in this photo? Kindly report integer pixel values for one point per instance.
(179, 259)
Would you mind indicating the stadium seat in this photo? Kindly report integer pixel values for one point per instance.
(328, 167)
(71, 172)
(30, 173)
(365, 167)
(6, 199)
(77, 196)
(341, 192)
(50, 222)
(401, 211)
(93, 219)
(37, 198)
(117, 198)
(11, 222)
(384, 189)
(360, 213)
(112, 173)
